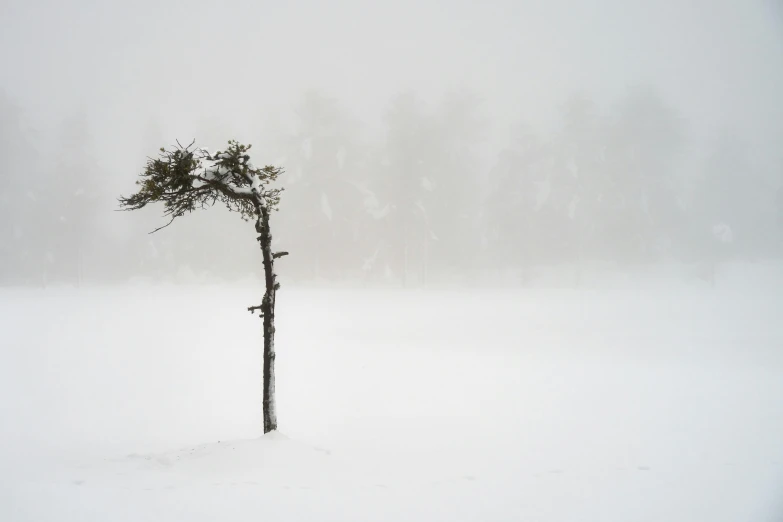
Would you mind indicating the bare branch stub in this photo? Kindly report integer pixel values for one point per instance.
(164, 226)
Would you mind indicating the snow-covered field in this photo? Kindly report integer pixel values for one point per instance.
(640, 402)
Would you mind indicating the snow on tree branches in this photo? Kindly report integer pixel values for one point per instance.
(187, 178)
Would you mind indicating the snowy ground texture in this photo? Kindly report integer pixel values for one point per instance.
(640, 402)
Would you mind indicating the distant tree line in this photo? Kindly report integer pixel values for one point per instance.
(422, 200)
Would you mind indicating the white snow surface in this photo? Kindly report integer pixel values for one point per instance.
(636, 403)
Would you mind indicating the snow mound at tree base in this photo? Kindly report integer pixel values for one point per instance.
(273, 454)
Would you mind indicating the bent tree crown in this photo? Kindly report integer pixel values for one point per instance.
(187, 177)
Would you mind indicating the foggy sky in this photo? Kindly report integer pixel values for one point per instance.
(182, 63)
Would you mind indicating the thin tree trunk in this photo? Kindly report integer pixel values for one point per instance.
(268, 311)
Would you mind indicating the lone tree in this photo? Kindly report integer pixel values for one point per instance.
(188, 178)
